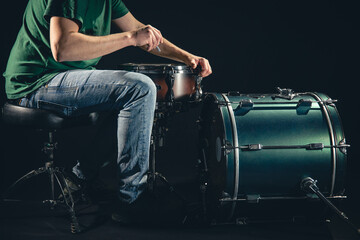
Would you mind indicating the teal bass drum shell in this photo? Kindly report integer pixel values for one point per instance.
(260, 146)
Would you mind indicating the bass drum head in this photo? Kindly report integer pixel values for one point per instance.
(214, 162)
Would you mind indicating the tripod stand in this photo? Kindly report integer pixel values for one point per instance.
(56, 177)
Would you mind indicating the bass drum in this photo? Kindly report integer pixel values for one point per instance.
(257, 147)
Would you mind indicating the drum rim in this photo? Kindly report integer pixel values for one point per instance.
(232, 119)
(332, 135)
(157, 68)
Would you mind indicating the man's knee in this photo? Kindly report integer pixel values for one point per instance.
(145, 84)
(148, 85)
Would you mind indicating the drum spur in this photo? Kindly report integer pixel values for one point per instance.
(309, 185)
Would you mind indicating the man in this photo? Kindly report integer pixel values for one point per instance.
(51, 66)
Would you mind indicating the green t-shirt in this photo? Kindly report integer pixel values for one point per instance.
(31, 63)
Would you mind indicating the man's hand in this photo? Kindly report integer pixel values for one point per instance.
(194, 61)
(147, 37)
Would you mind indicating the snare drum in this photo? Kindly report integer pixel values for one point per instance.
(260, 147)
(174, 82)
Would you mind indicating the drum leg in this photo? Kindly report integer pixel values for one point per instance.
(157, 182)
(156, 140)
(152, 172)
(309, 185)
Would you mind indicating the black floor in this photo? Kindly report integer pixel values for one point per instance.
(35, 220)
(57, 227)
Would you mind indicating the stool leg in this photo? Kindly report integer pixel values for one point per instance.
(53, 176)
(50, 170)
(30, 174)
(48, 149)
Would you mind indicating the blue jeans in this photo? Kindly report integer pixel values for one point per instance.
(131, 95)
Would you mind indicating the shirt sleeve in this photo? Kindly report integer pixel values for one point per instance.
(118, 9)
(71, 9)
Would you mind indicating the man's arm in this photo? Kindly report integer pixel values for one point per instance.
(167, 49)
(67, 44)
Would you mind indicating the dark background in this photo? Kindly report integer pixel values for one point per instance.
(253, 47)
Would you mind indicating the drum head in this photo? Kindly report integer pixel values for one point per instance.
(212, 135)
(149, 68)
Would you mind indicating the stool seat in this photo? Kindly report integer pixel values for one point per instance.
(43, 119)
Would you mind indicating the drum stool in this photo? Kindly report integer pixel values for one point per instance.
(44, 120)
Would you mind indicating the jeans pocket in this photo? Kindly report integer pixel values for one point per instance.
(62, 110)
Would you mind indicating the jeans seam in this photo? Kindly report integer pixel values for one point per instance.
(63, 77)
(87, 79)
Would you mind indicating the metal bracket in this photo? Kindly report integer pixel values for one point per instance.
(252, 147)
(285, 93)
(245, 104)
(228, 147)
(255, 198)
(171, 80)
(330, 102)
(244, 107)
(199, 91)
(315, 146)
(303, 106)
(304, 103)
(343, 146)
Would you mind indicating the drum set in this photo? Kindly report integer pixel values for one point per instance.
(253, 147)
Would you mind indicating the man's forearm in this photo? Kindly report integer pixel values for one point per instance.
(171, 51)
(78, 47)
